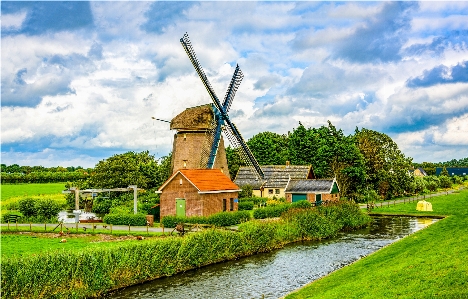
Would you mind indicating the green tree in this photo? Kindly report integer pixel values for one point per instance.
(386, 166)
(121, 171)
(331, 153)
(269, 148)
(234, 161)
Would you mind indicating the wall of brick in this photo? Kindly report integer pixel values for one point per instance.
(188, 149)
(195, 204)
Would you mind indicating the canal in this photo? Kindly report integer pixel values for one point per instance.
(275, 274)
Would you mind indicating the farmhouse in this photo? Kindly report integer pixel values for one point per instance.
(197, 192)
(276, 178)
(314, 191)
(419, 172)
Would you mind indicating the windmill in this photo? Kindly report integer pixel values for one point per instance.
(221, 121)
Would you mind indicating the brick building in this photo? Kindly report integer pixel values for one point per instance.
(198, 192)
(314, 191)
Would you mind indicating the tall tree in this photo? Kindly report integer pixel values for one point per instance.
(234, 161)
(386, 166)
(331, 154)
(269, 148)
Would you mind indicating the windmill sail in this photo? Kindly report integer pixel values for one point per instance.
(223, 121)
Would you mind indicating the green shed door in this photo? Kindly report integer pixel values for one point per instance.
(298, 197)
(318, 199)
(180, 207)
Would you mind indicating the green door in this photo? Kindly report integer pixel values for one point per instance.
(318, 199)
(180, 207)
(297, 197)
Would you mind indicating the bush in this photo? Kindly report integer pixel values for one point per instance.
(27, 207)
(125, 219)
(255, 200)
(218, 219)
(270, 211)
(302, 204)
(47, 208)
(245, 205)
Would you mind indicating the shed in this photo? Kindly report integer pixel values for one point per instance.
(198, 192)
(275, 180)
(314, 191)
(419, 172)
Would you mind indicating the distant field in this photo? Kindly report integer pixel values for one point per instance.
(9, 191)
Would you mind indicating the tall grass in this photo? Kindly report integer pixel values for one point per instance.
(94, 271)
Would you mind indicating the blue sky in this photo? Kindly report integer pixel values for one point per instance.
(80, 81)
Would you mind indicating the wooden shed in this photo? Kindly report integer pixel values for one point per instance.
(276, 178)
(314, 191)
(198, 192)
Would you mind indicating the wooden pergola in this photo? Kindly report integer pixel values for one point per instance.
(77, 192)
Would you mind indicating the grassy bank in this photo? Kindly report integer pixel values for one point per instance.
(431, 263)
(95, 271)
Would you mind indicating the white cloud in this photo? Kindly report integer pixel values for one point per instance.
(13, 21)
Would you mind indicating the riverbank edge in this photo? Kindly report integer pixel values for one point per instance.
(377, 251)
(35, 277)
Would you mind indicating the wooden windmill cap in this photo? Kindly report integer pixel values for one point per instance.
(194, 118)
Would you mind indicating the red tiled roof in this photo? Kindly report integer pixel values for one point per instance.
(209, 179)
(206, 179)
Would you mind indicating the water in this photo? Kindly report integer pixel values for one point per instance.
(278, 273)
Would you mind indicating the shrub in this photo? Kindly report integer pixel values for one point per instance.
(27, 207)
(270, 211)
(125, 219)
(218, 219)
(245, 205)
(302, 204)
(47, 208)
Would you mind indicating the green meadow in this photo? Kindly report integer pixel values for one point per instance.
(24, 190)
(431, 263)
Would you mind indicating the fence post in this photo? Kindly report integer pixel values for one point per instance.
(45, 227)
(16, 224)
(111, 228)
(147, 229)
(61, 227)
(129, 228)
(30, 227)
(162, 224)
(8, 224)
(93, 227)
(77, 227)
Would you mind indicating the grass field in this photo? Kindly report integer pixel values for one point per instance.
(22, 190)
(431, 263)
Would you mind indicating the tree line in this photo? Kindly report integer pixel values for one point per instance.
(366, 163)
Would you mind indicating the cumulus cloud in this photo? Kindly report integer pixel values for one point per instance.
(89, 82)
(441, 75)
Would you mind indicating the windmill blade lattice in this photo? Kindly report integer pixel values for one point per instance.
(222, 119)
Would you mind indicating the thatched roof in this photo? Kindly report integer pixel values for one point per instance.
(194, 118)
(310, 186)
(276, 176)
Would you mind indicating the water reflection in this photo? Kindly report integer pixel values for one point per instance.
(278, 273)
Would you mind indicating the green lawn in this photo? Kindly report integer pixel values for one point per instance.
(9, 191)
(432, 263)
(34, 243)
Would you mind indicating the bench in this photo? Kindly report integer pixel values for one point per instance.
(13, 218)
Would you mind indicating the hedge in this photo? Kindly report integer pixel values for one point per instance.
(245, 205)
(95, 271)
(276, 211)
(218, 219)
(125, 219)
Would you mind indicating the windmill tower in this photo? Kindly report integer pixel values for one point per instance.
(198, 142)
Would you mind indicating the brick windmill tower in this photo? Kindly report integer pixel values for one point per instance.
(194, 138)
(198, 142)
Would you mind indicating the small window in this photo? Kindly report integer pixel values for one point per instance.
(185, 163)
(270, 191)
(180, 182)
(277, 191)
(224, 204)
(231, 204)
